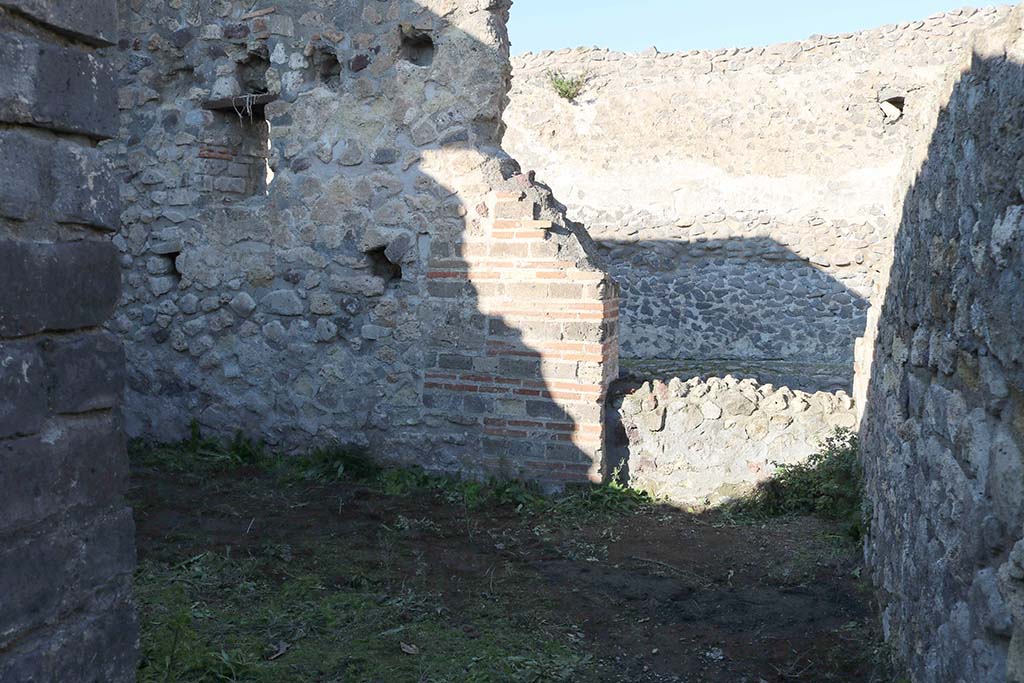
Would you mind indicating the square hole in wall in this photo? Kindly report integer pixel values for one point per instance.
(417, 46)
(235, 151)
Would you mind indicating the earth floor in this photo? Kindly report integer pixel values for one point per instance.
(259, 574)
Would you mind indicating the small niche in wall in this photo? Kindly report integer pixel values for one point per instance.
(252, 72)
(897, 102)
(326, 65)
(892, 106)
(238, 166)
(383, 267)
(417, 46)
(247, 107)
(329, 69)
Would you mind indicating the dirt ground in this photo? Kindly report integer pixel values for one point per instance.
(250, 576)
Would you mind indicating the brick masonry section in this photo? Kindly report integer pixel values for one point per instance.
(537, 383)
(380, 291)
(66, 535)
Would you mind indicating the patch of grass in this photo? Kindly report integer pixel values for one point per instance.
(466, 493)
(217, 618)
(829, 484)
(258, 576)
(173, 648)
(567, 86)
(200, 454)
(612, 498)
(334, 463)
(204, 455)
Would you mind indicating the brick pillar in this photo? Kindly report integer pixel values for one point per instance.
(550, 347)
(66, 535)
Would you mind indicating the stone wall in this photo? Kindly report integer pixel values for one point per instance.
(324, 242)
(943, 430)
(66, 535)
(702, 442)
(742, 198)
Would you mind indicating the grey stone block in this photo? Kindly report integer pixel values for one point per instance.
(162, 285)
(545, 409)
(22, 389)
(108, 550)
(61, 570)
(452, 361)
(56, 286)
(243, 304)
(89, 20)
(85, 187)
(79, 462)
(52, 86)
(21, 193)
(97, 647)
(167, 248)
(374, 332)
(86, 372)
(283, 302)
(77, 183)
(29, 472)
(65, 565)
(96, 461)
(35, 574)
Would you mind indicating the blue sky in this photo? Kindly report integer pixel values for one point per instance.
(634, 25)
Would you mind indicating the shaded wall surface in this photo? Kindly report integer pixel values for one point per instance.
(718, 182)
(943, 430)
(749, 305)
(66, 535)
(324, 242)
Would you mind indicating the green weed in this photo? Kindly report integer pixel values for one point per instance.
(568, 87)
(466, 493)
(829, 484)
(335, 463)
(526, 497)
(200, 454)
(611, 498)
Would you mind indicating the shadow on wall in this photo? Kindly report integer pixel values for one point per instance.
(376, 294)
(747, 307)
(520, 346)
(943, 432)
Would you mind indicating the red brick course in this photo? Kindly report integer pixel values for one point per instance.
(551, 348)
